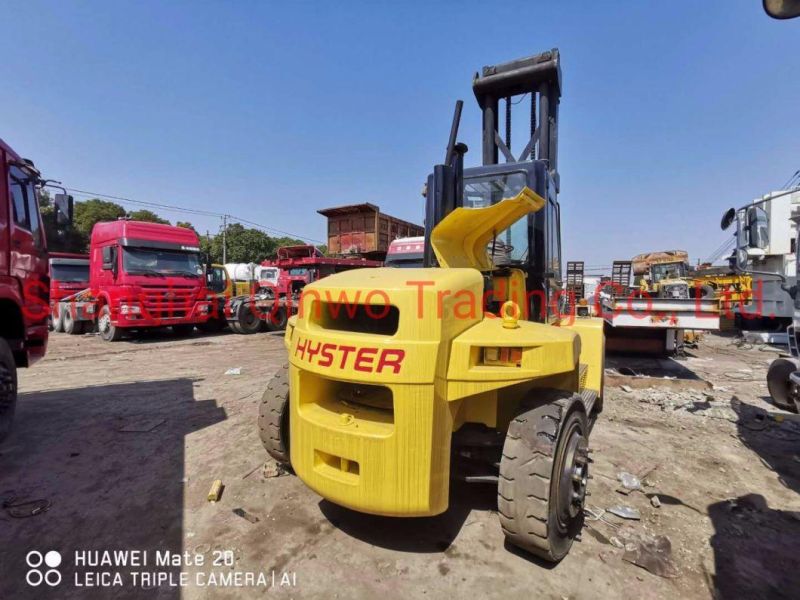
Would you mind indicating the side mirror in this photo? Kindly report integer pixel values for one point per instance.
(64, 205)
(782, 9)
(110, 259)
(727, 218)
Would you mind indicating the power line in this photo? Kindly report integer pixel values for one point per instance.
(193, 211)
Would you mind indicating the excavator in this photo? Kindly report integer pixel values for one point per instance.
(400, 380)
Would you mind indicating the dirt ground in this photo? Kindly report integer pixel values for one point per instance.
(123, 441)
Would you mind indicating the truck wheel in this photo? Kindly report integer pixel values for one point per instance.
(543, 475)
(57, 319)
(107, 331)
(778, 384)
(247, 320)
(71, 326)
(8, 389)
(184, 330)
(273, 417)
(276, 321)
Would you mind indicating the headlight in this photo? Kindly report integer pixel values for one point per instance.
(203, 308)
(130, 309)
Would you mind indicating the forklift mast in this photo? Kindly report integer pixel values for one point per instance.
(536, 249)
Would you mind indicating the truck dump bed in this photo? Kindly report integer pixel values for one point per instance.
(364, 230)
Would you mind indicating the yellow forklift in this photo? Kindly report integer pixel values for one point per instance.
(401, 379)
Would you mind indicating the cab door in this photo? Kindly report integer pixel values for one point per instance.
(28, 251)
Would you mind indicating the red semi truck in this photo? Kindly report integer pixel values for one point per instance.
(69, 274)
(141, 275)
(24, 284)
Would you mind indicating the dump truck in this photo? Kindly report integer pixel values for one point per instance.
(24, 275)
(141, 276)
(399, 379)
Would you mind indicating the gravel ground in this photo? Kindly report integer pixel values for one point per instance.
(121, 442)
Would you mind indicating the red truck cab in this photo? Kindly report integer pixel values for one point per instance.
(69, 274)
(145, 275)
(24, 280)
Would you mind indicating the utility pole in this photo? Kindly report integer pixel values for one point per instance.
(224, 239)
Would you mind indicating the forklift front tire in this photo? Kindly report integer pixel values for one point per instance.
(273, 417)
(543, 474)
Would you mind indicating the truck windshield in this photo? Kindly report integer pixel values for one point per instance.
(483, 191)
(152, 261)
(668, 271)
(69, 273)
(402, 262)
(216, 281)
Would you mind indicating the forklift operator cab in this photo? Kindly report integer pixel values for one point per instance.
(531, 245)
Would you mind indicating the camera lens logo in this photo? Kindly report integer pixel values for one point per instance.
(43, 568)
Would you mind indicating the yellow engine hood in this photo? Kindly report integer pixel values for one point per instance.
(460, 240)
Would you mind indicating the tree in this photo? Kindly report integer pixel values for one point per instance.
(95, 211)
(146, 215)
(243, 245)
(186, 225)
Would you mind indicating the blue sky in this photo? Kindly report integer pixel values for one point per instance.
(671, 111)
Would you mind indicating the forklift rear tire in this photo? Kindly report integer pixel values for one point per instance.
(107, 330)
(247, 320)
(543, 474)
(778, 384)
(277, 320)
(273, 417)
(8, 388)
(71, 326)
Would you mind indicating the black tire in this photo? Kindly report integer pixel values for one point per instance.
(540, 503)
(778, 384)
(71, 326)
(184, 330)
(273, 417)
(8, 389)
(277, 320)
(247, 320)
(107, 331)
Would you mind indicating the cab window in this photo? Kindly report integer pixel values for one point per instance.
(25, 204)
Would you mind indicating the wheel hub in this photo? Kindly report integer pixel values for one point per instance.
(104, 324)
(574, 475)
